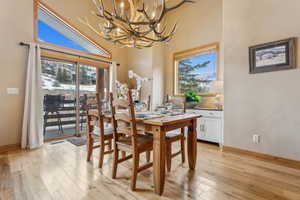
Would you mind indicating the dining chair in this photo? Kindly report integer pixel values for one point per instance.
(127, 137)
(96, 129)
(176, 135)
(52, 104)
(149, 103)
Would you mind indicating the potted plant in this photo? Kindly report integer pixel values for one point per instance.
(192, 99)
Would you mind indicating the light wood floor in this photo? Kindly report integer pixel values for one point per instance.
(60, 172)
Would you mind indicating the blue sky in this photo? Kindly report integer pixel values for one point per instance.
(49, 35)
(211, 67)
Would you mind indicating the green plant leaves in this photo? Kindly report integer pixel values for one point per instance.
(192, 96)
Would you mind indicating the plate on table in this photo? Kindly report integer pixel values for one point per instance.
(146, 115)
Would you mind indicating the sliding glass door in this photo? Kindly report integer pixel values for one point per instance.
(65, 86)
(92, 80)
(59, 101)
(87, 86)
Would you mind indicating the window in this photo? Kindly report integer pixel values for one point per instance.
(67, 77)
(53, 30)
(196, 70)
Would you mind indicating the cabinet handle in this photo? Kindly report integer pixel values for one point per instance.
(202, 127)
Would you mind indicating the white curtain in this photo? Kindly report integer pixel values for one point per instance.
(32, 130)
(112, 77)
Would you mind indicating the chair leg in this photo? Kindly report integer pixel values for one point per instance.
(182, 146)
(60, 129)
(45, 122)
(110, 145)
(148, 156)
(115, 162)
(123, 154)
(58, 122)
(168, 156)
(101, 154)
(136, 160)
(182, 150)
(90, 143)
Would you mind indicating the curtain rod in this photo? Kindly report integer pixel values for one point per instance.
(71, 54)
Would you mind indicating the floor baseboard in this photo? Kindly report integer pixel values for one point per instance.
(275, 159)
(10, 147)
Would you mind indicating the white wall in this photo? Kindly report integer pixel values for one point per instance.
(149, 62)
(158, 75)
(16, 21)
(267, 103)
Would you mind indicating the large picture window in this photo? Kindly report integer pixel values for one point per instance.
(196, 70)
(52, 29)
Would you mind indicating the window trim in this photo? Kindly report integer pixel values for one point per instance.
(73, 59)
(188, 53)
(37, 5)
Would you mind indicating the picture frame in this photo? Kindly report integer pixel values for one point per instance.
(273, 56)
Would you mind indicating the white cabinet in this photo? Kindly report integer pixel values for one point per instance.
(209, 126)
(200, 128)
(212, 130)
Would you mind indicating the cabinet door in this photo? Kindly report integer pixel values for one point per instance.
(212, 130)
(201, 129)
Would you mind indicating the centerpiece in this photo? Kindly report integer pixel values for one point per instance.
(192, 99)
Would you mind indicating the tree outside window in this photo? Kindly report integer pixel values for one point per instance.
(196, 73)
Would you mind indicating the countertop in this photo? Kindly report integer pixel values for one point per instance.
(208, 109)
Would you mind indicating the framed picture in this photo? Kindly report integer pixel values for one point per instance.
(273, 56)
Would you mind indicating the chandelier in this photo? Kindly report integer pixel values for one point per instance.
(134, 23)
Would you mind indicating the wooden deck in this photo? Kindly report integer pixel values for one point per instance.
(60, 172)
(68, 131)
(53, 133)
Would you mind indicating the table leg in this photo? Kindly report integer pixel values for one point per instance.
(192, 144)
(159, 152)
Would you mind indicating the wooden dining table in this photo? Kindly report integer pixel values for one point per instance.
(159, 126)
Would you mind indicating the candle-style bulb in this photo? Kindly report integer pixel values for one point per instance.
(122, 4)
(153, 14)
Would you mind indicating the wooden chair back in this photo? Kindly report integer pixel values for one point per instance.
(149, 103)
(123, 118)
(95, 116)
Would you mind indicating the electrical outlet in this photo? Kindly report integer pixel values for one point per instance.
(12, 91)
(256, 139)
